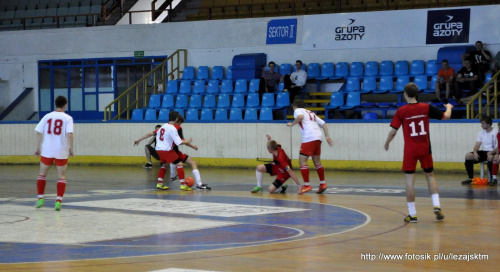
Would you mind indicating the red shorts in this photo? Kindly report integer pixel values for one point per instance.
(410, 162)
(274, 170)
(168, 156)
(50, 161)
(183, 157)
(311, 148)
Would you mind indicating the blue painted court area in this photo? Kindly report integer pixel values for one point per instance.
(94, 225)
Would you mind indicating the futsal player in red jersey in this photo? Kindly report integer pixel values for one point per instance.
(496, 158)
(414, 118)
(281, 168)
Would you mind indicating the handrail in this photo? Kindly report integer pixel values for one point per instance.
(489, 99)
(172, 64)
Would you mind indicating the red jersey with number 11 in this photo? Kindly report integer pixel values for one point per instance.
(415, 121)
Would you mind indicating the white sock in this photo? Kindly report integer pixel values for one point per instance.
(494, 176)
(306, 184)
(435, 200)
(259, 178)
(173, 170)
(197, 177)
(322, 182)
(412, 209)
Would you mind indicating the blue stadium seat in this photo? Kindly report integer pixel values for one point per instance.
(313, 70)
(185, 87)
(421, 82)
(353, 101)
(229, 72)
(202, 73)
(199, 87)
(168, 101)
(266, 114)
(180, 111)
(369, 84)
(401, 68)
(417, 67)
(155, 101)
(253, 100)
(283, 100)
(386, 68)
(370, 115)
(138, 114)
(341, 70)
(213, 87)
(188, 73)
(371, 68)
(195, 101)
(221, 114)
(241, 86)
(251, 114)
(281, 86)
(352, 84)
(223, 101)
(235, 114)
(163, 115)
(432, 85)
(181, 101)
(268, 100)
(386, 84)
(172, 86)
(207, 114)
(431, 68)
(356, 69)
(285, 69)
(209, 101)
(327, 71)
(336, 100)
(192, 115)
(487, 78)
(401, 82)
(238, 101)
(226, 86)
(254, 85)
(217, 73)
(150, 114)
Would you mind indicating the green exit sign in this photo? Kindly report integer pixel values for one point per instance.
(138, 54)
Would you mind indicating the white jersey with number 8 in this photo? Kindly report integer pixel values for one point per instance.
(54, 126)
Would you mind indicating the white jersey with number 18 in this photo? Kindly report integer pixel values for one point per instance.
(54, 126)
(310, 126)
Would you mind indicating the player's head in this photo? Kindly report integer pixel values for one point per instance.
(298, 103)
(173, 116)
(486, 122)
(61, 101)
(411, 90)
(157, 127)
(272, 146)
(180, 119)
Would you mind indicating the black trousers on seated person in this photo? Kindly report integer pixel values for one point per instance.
(291, 87)
(264, 88)
(469, 164)
(467, 85)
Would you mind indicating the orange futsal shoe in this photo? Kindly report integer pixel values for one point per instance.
(305, 189)
(322, 188)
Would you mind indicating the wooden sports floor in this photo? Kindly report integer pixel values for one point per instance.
(113, 219)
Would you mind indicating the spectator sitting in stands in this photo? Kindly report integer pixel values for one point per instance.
(467, 79)
(445, 78)
(269, 80)
(480, 58)
(295, 82)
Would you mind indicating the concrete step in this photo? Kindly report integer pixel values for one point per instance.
(310, 101)
(320, 94)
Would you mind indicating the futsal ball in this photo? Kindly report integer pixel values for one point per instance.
(189, 181)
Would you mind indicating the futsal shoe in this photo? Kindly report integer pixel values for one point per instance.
(283, 188)
(467, 182)
(322, 188)
(439, 214)
(172, 179)
(186, 188)
(203, 187)
(257, 189)
(161, 186)
(39, 203)
(411, 219)
(58, 206)
(493, 182)
(305, 189)
(148, 166)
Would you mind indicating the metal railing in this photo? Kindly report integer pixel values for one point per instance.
(142, 89)
(491, 100)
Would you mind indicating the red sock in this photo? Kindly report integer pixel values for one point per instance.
(180, 173)
(321, 172)
(61, 187)
(494, 169)
(161, 174)
(304, 170)
(40, 185)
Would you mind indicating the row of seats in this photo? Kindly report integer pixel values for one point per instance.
(208, 114)
(158, 101)
(387, 84)
(213, 86)
(13, 5)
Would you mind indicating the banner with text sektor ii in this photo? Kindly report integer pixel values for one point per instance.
(448, 26)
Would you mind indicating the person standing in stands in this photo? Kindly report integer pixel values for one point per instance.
(295, 82)
(480, 58)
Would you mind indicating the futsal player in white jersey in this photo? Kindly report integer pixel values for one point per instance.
(56, 129)
(310, 125)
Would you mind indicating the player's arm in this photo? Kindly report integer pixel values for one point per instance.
(38, 143)
(476, 148)
(297, 120)
(294, 177)
(69, 138)
(191, 145)
(136, 142)
(327, 135)
(390, 137)
(447, 113)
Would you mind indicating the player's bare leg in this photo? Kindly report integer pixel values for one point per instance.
(148, 165)
(410, 198)
(304, 171)
(196, 174)
(321, 173)
(433, 190)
